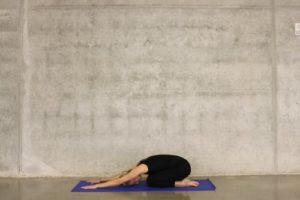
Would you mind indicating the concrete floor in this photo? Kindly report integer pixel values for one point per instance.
(231, 188)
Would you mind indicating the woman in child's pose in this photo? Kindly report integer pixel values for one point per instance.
(162, 170)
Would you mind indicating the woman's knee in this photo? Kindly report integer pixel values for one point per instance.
(152, 182)
(184, 169)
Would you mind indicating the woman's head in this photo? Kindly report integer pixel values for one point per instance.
(133, 181)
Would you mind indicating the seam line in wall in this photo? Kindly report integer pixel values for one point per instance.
(20, 70)
(287, 6)
(274, 86)
(41, 7)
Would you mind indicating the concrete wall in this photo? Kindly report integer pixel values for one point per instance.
(288, 62)
(106, 83)
(9, 86)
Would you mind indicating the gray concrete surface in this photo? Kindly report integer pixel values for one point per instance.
(288, 89)
(104, 84)
(54, 3)
(288, 3)
(9, 87)
(228, 188)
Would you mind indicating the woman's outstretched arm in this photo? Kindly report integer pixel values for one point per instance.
(104, 179)
(140, 169)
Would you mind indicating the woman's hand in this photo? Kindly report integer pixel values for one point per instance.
(90, 187)
(93, 181)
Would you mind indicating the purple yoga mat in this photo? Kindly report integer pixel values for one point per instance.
(205, 185)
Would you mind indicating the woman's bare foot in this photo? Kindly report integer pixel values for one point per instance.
(186, 183)
(192, 183)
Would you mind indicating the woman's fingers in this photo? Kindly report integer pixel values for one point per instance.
(89, 187)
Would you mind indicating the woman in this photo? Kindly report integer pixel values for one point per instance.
(162, 170)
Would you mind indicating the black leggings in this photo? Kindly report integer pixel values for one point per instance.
(165, 170)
